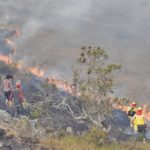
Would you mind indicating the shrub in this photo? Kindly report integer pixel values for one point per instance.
(36, 113)
(96, 136)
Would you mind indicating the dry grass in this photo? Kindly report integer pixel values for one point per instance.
(68, 143)
(78, 143)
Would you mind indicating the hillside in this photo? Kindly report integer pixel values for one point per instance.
(51, 112)
(53, 117)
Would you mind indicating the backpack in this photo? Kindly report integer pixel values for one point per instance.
(131, 113)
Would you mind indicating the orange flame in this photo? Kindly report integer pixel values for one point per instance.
(146, 112)
(61, 84)
(146, 109)
(121, 107)
(8, 60)
(36, 71)
(5, 59)
(18, 65)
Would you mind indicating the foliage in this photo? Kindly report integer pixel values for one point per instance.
(93, 79)
(36, 112)
(96, 136)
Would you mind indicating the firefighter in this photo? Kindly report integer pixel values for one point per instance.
(131, 110)
(139, 122)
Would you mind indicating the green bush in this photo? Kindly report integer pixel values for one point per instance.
(36, 113)
(96, 136)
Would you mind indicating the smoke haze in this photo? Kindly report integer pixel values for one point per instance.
(53, 32)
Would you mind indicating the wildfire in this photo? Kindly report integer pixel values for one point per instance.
(121, 107)
(5, 59)
(146, 110)
(8, 60)
(36, 71)
(18, 65)
(61, 84)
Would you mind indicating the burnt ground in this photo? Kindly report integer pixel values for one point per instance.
(52, 113)
(39, 94)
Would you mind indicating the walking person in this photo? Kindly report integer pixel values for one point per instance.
(19, 98)
(7, 89)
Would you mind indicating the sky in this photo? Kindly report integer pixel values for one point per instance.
(52, 32)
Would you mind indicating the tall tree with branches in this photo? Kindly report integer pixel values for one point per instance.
(93, 79)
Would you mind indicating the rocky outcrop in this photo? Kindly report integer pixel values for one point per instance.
(19, 133)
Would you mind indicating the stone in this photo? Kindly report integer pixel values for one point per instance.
(69, 130)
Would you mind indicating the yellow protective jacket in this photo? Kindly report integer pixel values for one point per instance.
(139, 119)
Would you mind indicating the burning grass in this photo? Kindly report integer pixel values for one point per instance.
(146, 112)
(35, 71)
(122, 104)
(61, 84)
(8, 60)
(5, 59)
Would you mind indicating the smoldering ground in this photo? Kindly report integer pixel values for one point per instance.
(53, 32)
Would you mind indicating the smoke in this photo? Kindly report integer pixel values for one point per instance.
(53, 32)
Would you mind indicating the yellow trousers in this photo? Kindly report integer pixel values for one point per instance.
(135, 127)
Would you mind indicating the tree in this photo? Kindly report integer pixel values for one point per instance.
(93, 79)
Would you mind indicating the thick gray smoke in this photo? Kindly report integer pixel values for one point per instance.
(54, 30)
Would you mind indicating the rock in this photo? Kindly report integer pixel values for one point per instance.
(6, 121)
(69, 130)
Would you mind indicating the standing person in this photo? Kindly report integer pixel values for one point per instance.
(19, 97)
(139, 123)
(11, 80)
(20, 91)
(7, 89)
(131, 111)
